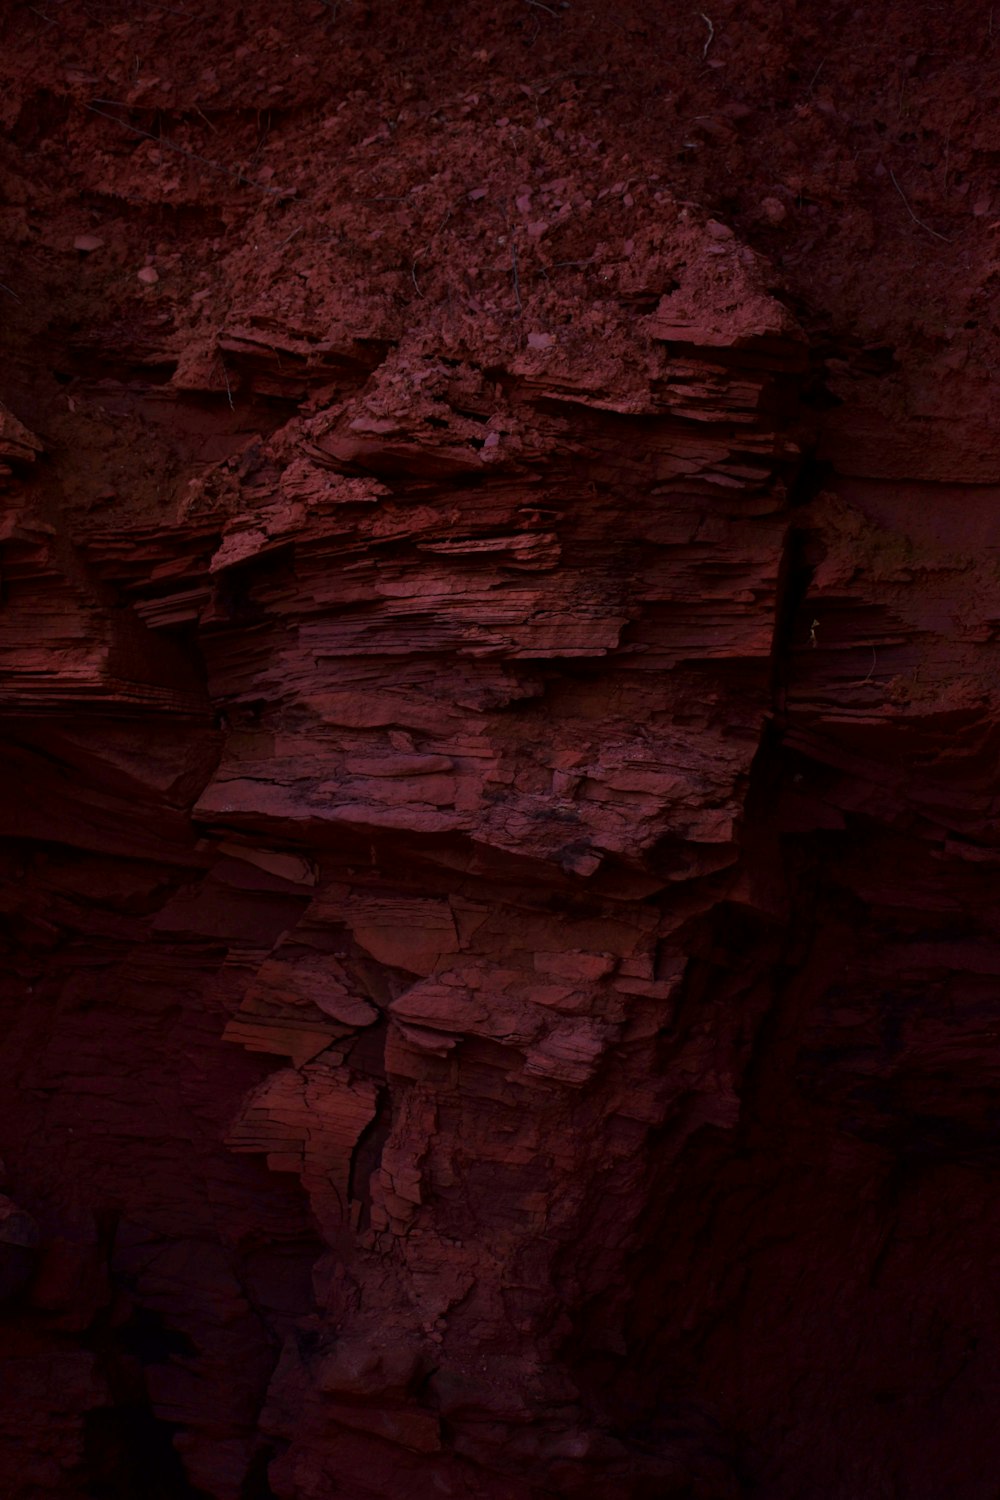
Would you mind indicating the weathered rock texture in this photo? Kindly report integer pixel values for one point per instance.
(498, 670)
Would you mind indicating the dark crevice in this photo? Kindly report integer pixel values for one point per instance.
(795, 574)
(128, 1450)
(367, 1155)
(129, 1453)
(256, 1485)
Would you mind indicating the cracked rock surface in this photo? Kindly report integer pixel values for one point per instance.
(499, 689)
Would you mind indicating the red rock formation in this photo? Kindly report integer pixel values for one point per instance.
(498, 686)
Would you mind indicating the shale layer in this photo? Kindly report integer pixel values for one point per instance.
(500, 585)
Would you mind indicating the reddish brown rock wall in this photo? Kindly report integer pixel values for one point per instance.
(498, 681)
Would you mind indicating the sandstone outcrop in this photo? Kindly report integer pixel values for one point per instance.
(497, 666)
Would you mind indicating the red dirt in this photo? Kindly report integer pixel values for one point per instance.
(500, 699)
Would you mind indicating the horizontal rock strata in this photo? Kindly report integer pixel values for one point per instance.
(498, 807)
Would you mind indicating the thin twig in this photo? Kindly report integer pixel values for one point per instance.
(711, 34)
(517, 278)
(413, 270)
(162, 140)
(539, 6)
(912, 215)
(225, 376)
(7, 289)
(297, 230)
(871, 669)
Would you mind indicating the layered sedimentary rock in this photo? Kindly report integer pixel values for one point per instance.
(499, 757)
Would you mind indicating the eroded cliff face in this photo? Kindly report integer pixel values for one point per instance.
(500, 582)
